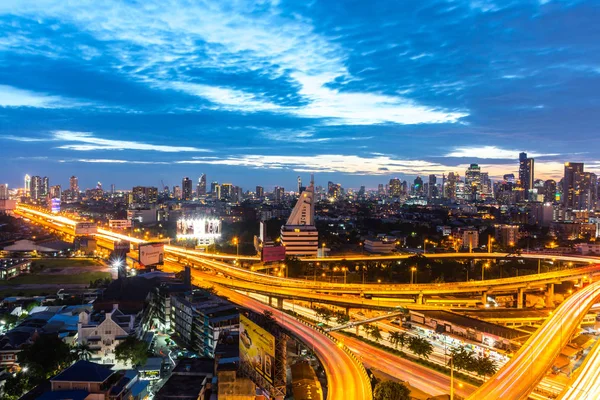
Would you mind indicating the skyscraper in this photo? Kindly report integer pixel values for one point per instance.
(572, 171)
(450, 186)
(395, 187)
(201, 189)
(213, 185)
(279, 193)
(473, 181)
(55, 192)
(45, 186)
(226, 191)
(549, 191)
(3, 191)
(526, 173)
(260, 192)
(27, 185)
(418, 185)
(299, 185)
(186, 189)
(36, 187)
(431, 188)
(74, 184)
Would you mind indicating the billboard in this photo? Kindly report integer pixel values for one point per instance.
(122, 247)
(272, 253)
(151, 253)
(55, 206)
(119, 223)
(257, 348)
(199, 228)
(85, 228)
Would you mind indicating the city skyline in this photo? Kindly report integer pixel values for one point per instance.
(260, 93)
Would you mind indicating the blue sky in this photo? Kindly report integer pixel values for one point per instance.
(261, 92)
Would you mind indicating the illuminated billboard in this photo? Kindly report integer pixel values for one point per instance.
(257, 348)
(272, 253)
(199, 228)
(151, 253)
(55, 206)
(85, 228)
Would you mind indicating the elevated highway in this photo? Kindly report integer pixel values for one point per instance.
(519, 377)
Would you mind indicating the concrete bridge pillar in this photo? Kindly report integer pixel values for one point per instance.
(520, 296)
(270, 301)
(279, 303)
(420, 298)
(550, 296)
(348, 311)
(484, 297)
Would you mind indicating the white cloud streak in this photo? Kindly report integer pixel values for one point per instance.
(14, 97)
(491, 153)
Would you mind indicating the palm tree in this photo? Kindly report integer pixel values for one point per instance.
(419, 346)
(403, 339)
(82, 351)
(394, 338)
(376, 333)
(485, 366)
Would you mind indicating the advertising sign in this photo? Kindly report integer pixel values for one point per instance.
(272, 253)
(151, 253)
(119, 223)
(122, 247)
(257, 348)
(198, 228)
(55, 206)
(85, 228)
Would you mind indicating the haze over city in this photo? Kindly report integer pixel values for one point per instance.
(138, 92)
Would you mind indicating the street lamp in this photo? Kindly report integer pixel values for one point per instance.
(483, 267)
(237, 246)
(490, 241)
(412, 272)
(323, 251)
(425, 245)
(345, 270)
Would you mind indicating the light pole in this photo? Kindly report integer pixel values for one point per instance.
(237, 246)
(412, 272)
(483, 267)
(344, 269)
(425, 246)
(323, 251)
(452, 378)
(489, 246)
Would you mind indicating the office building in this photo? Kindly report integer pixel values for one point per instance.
(45, 186)
(395, 187)
(27, 185)
(226, 191)
(201, 188)
(36, 187)
(177, 192)
(418, 186)
(55, 192)
(213, 185)
(473, 182)
(526, 172)
(74, 184)
(144, 195)
(279, 193)
(572, 172)
(186, 189)
(198, 319)
(260, 192)
(299, 235)
(549, 191)
(4, 191)
(431, 187)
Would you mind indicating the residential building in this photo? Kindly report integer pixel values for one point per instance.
(187, 192)
(299, 235)
(526, 172)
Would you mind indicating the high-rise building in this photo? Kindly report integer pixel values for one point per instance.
(201, 188)
(381, 189)
(144, 195)
(572, 171)
(473, 181)
(177, 192)
(299, 185)
(27, 185)
(36, 187)
(74, 184)
(186, 189)
(217, 192)
(395, 187)
(55, 192)
(299, 235)
(112, 189)
(260, 192)
(279, 193)
(226, 191)
(418, 186)
(45, 186)
(213, 185)
(549, 191)
(450, 187)
(526, 172)
(3, 191)
(431, 188)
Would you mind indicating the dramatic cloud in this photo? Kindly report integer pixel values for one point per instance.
(15, 97)
(492, 152)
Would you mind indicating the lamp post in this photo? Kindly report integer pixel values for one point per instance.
(237, 246)
(452, 378)
(323, 251)
(489, 246)
(425, 246)
(483, 267)
(345, 270)
(412, 272)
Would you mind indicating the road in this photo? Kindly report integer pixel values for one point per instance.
(346, 377)
(585, 384)
(529, 365)
(423, 378)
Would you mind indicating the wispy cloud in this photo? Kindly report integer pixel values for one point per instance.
(491, 152)
(86, 141)
(14, 97)
(112, 161)
(159, 48)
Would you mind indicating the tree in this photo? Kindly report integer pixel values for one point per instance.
(462, 359)
(485, 366)
(390, 390)
(82, 351)
(341, 318)
(376, 333)
(403, 339)
(394, 338)
(46, 356)
(15, 386)
(419, 346)
(132, 350)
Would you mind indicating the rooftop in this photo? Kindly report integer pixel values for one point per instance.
(84, 371)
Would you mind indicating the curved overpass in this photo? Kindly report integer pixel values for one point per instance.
(346, 376)
(526, 369)
(585, 384)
